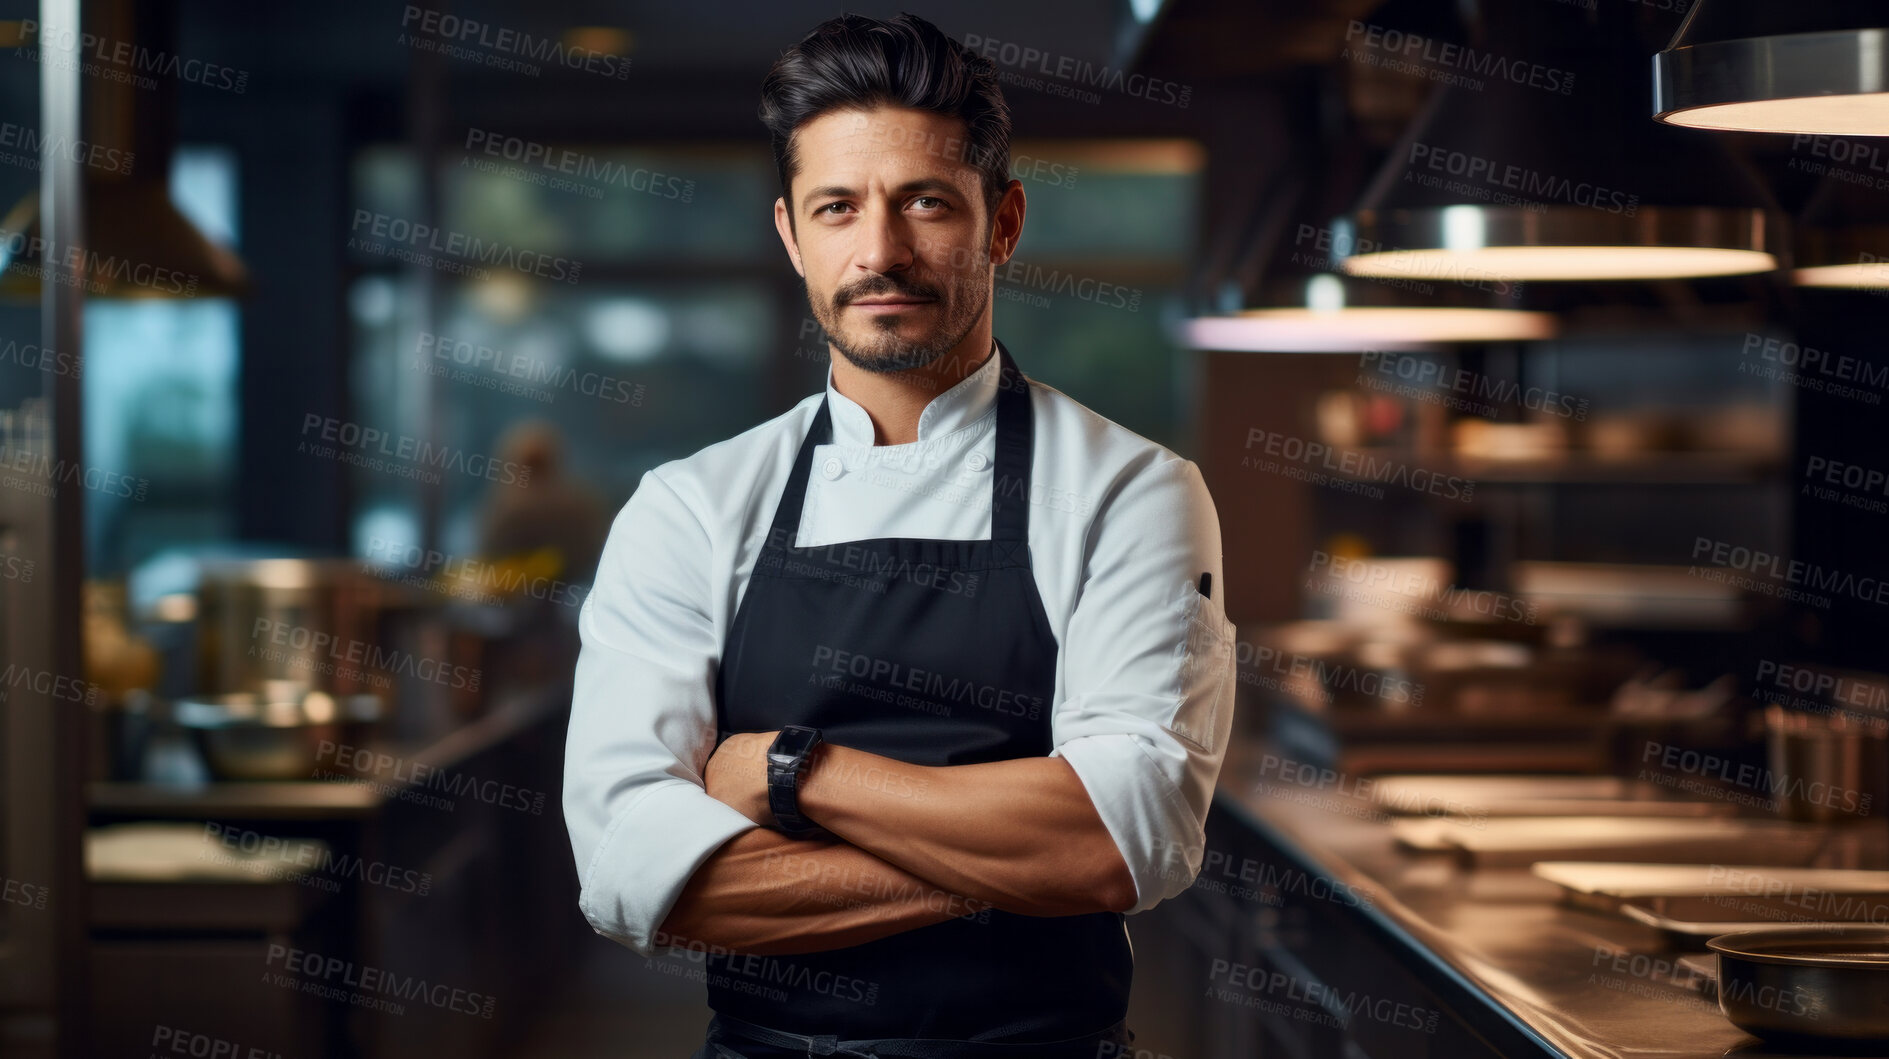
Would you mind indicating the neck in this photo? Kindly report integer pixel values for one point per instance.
(895, 400)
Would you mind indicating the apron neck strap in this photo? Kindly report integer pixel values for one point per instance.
(1010, 480)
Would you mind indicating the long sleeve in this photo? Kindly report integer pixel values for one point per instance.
(1149, 674)
(643, 721)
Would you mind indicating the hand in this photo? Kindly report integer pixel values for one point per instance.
(736, 774)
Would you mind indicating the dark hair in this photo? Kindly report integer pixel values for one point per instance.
(855, 62)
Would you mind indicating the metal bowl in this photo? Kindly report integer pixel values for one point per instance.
(1819, 988)
(276, 734)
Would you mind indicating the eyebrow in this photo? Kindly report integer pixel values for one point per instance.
(921, 184)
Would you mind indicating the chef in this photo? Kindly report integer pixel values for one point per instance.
(890, 708)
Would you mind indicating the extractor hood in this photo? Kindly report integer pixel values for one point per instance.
(138, 245)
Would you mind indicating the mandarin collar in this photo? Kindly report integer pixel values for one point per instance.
(958, 407)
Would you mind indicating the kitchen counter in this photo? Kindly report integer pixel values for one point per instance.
(339, 799)
(1493, 949)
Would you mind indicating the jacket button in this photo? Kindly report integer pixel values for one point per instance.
(978, 461)
(832, 468)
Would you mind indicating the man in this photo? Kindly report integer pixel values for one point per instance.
(960, 632)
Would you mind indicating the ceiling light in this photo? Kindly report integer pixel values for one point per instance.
(1806, 68)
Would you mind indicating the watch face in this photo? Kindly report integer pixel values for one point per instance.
(792, 742)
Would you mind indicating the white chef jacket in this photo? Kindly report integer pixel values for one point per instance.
(1120, 531)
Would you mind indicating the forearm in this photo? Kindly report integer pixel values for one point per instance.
(1022, 834)
(764, 893)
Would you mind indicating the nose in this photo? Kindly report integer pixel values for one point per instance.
(884, 241)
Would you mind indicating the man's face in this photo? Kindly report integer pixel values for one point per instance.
(891, 234)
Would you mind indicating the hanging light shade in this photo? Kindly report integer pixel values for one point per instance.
(1843, 236)
(1328, 313)
(1776, 66)
(1515, 181)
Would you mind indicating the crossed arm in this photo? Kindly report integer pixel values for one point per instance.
(913, 845)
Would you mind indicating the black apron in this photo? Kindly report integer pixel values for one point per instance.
(933, 652)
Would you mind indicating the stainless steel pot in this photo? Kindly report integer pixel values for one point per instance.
(301, 620)
(1816, 988)
(277, 734)
(1827, 767)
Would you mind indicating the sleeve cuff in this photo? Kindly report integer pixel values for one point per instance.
(1144, 814)
(647, 857)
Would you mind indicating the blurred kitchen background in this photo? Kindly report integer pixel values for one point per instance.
(1547, 442)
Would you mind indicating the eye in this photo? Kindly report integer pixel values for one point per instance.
(829, 206)
(935, 200)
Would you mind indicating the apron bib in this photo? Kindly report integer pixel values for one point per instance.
(933, 652)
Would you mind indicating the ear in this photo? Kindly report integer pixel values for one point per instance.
(1006, 227)
(783, 224)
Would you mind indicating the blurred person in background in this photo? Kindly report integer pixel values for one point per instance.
(551, 511)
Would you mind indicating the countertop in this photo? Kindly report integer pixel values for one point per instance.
(1567, 978)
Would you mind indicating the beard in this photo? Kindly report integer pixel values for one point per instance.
(875, 344)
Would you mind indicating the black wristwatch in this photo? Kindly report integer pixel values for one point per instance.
(787, 761)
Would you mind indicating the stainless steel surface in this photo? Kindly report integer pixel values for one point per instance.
(1590, 984)
(1807, 987)
(1497, 795)
(1691, 919)
(1827, 767)
(276, 735)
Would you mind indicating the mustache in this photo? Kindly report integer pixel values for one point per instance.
(882, 285)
